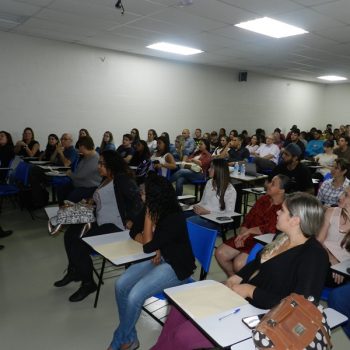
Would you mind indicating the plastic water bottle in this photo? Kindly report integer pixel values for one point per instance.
(236, 168)
(243, 169)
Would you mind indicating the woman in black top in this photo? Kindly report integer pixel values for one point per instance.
(6, 152)
(27, 147)
(165, 233)
(294, 262)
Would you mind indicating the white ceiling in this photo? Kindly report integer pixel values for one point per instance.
(206, 24)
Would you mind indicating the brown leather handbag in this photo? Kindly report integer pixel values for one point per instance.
(294, 324)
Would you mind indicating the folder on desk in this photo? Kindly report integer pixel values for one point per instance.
(206, 300)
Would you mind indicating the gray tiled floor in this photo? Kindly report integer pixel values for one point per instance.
(34, 315)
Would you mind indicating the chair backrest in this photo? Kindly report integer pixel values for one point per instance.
(203, 244)
(255, 250)
(21, 174)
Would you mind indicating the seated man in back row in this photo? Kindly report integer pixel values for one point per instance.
(266, 156)
(237, 152)
(296, 171)
(65, 155)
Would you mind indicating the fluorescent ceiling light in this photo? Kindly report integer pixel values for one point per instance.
(271, 27)
(178, 49)
(332, 78)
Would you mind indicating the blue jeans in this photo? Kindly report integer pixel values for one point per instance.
(138, 283)
(184, 176)
(339, 299)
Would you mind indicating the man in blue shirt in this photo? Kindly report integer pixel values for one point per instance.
(189, 142)
(315, 146)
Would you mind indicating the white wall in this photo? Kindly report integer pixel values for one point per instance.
(337, 105)
(57, 87)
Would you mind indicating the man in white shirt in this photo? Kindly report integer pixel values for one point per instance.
(266, 156)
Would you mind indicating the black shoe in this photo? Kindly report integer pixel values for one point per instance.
(68, 278)
(5, 233)
(84, 290)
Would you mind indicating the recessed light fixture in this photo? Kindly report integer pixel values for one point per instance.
(178, 49)
(271, 27)
(332, 78)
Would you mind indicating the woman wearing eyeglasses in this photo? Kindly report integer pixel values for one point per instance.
(118, 202)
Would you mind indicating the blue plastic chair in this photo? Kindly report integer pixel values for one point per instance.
(203, 244)
(17, 181)
(199, 187)
(255, 250)
(327, 176)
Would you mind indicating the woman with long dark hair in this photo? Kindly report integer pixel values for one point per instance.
(163, 231)
(162, 159)
(152, 140)
(82, 133)
(7, 152)
(52, 142)
(118, 202)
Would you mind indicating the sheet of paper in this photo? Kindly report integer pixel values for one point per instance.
(204, 301)
(119, 250)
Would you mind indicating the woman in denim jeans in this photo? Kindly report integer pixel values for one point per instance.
(164, 232)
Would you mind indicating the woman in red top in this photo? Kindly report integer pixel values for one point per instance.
(261, 219)
(200, 157)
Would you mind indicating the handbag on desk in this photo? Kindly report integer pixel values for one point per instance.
(72, 213)
(294, 324)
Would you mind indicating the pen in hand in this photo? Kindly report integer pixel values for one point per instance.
(230, 314)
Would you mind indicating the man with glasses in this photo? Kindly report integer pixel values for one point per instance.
(266, 156)
(65, 155)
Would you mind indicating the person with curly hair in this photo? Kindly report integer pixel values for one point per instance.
(163, 231)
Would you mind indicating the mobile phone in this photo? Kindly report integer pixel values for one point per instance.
(252, 321)
(223, 218)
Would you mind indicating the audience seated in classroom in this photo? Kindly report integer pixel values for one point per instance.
(135, 134)
(232, 254)
(141, 154)
(343, 150)
(162, 159)
(118, 202)
(295, 138)
(82, 133)
(314, 146)
(294, 262)
(106, 143)
(237, 152)
(52, 142)
(152, 140)
(253, 145)
(62, 154)
(331, 189)
(326, 159)
(222, 150)
(126, 149)
(85, 178)
(178, 150)
(28, 146)
(332, 234)
(201, 158)
(219, 196)
(197, 136)
(296, 171)
(7, 153)
(163, 231)
(189, 143)
(266, 156)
